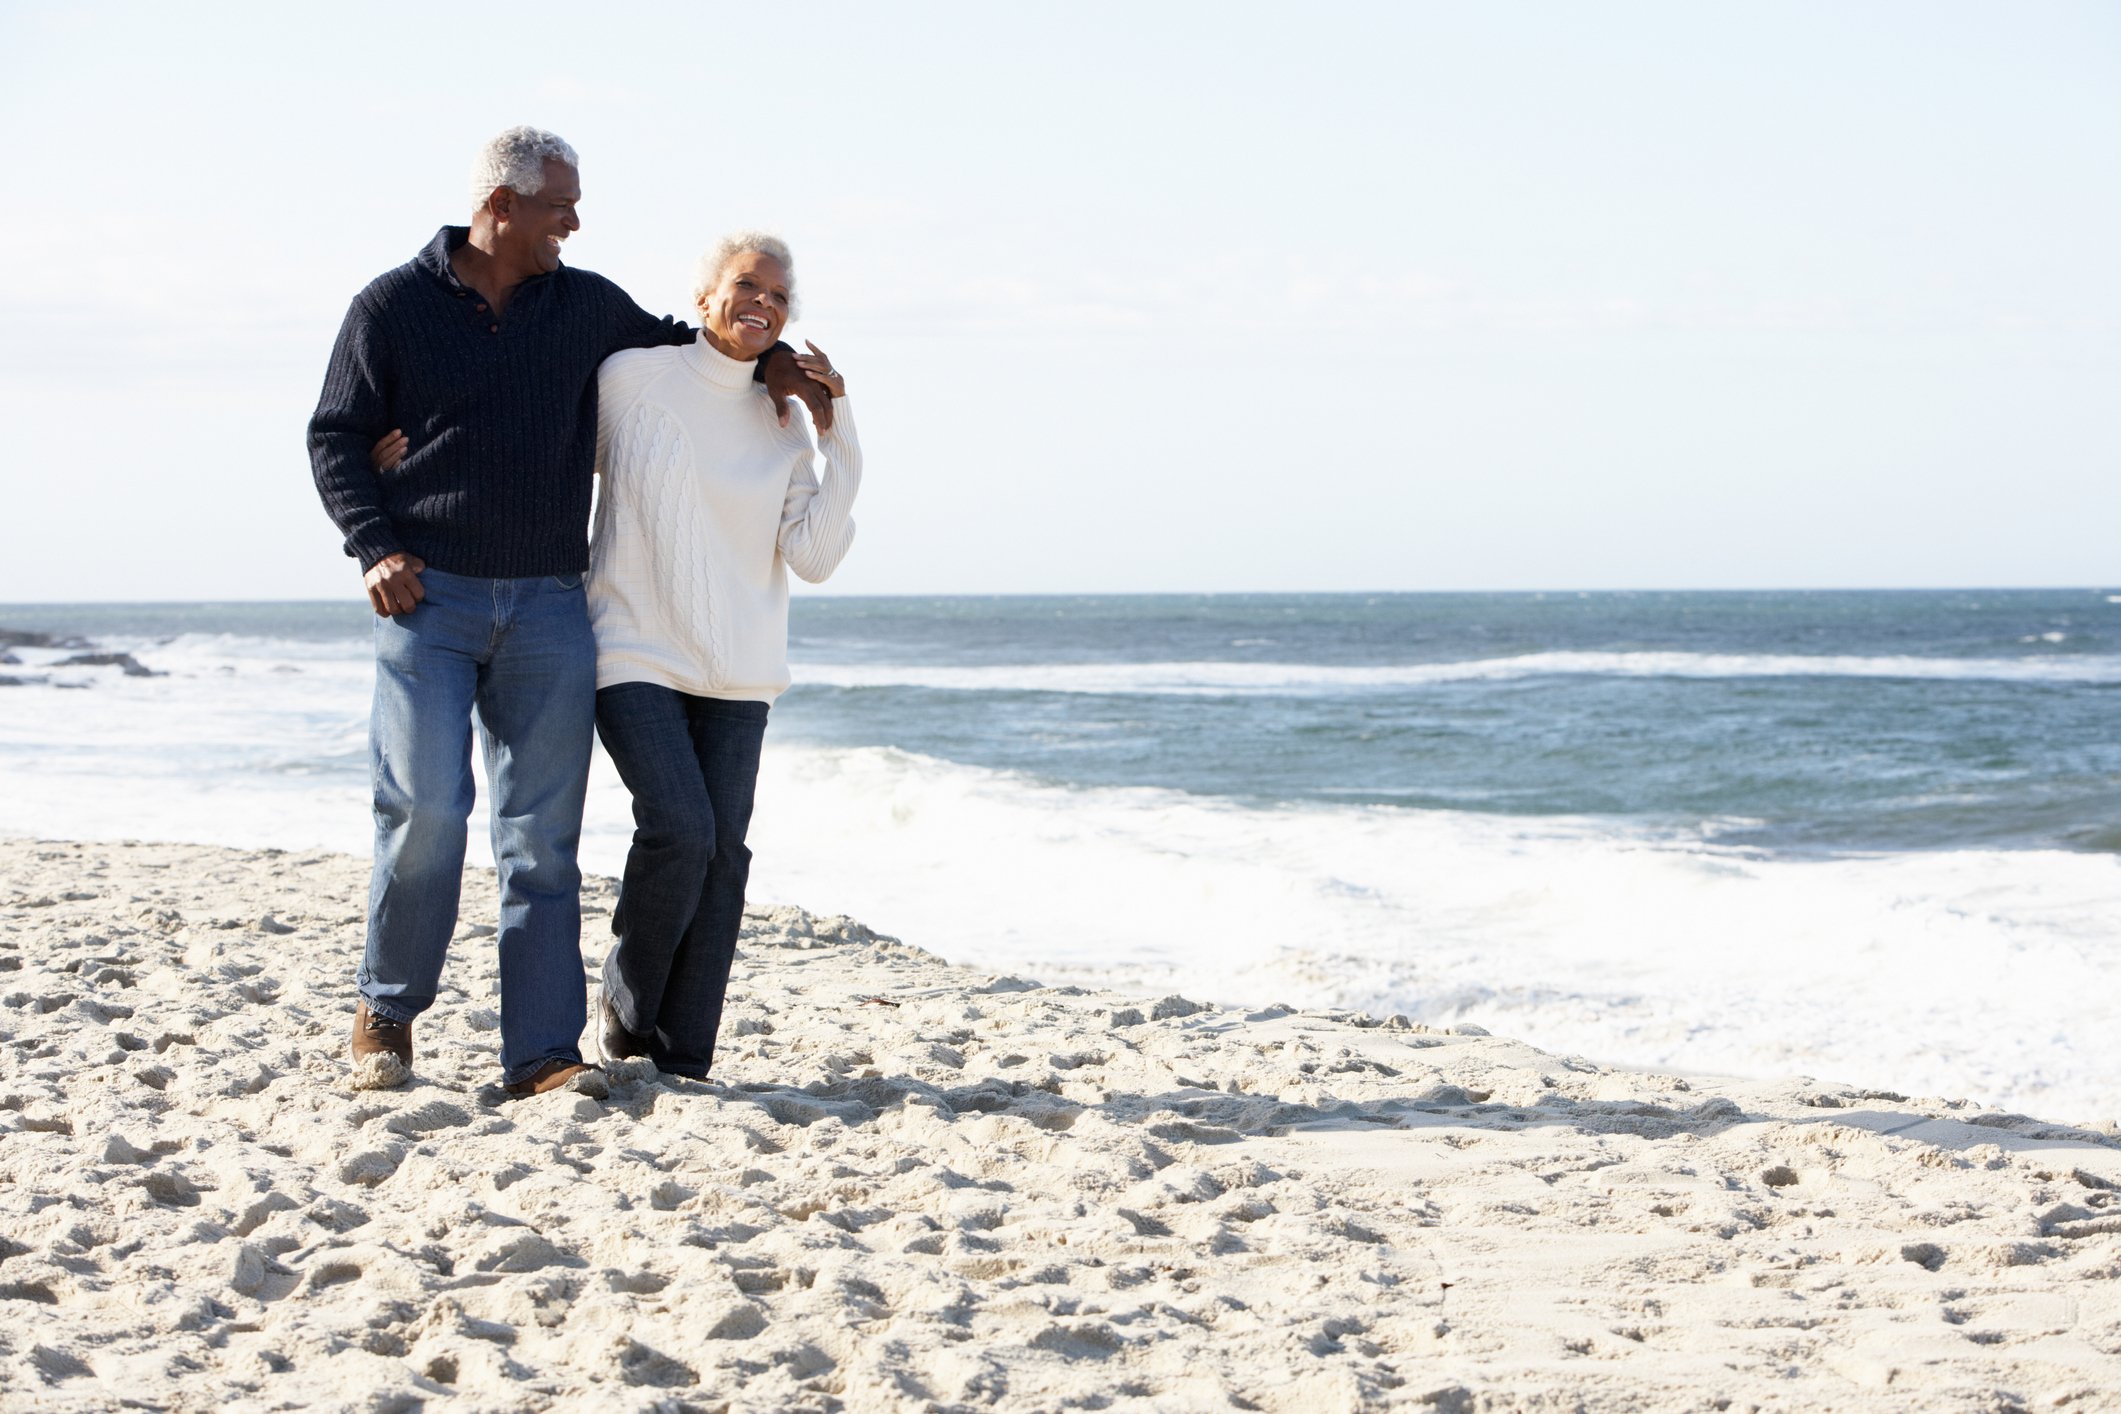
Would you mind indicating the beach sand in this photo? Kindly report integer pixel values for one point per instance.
(913, 1186)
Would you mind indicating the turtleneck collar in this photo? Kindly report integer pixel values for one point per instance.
(716, 368)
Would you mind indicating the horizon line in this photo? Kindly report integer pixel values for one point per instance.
(352, 602)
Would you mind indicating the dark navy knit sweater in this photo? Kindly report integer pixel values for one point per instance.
(501, 414)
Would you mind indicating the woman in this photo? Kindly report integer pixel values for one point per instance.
(707, 501)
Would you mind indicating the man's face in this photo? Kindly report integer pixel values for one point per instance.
(532, 227)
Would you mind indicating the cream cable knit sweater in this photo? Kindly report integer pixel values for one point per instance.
(705, 497)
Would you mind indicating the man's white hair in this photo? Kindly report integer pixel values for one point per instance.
(516, 160)
(708, 275)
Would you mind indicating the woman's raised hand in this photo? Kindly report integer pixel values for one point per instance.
(818, 365)
(389, 450)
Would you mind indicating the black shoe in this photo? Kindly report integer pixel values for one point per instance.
(618, 1043)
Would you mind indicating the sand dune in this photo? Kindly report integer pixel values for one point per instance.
(916, 1187)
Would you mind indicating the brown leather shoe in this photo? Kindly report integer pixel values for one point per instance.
(618, 1043)
(549, 1076)
(375, 1035)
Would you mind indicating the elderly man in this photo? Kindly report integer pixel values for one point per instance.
(483, 349)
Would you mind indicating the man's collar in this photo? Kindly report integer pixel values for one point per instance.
(434, 257)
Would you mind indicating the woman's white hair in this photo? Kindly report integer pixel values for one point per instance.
(707, 275)
(516, 160)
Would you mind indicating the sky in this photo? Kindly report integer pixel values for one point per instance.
(1140, 297)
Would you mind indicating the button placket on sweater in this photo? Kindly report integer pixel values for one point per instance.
(523, 302)
(478, 310)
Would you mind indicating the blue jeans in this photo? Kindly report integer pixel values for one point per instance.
(692, 764)
(518, 652)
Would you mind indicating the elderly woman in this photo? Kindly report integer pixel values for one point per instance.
(710, 495)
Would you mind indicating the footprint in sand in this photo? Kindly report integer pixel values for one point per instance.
(641, 1365)
(371, 1166)
(58, 1365)
(333, 1271)
(427, 1119)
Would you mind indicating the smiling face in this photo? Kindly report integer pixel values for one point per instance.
(531, 228)
(743, 314)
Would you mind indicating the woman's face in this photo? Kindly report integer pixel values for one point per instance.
(744, 312)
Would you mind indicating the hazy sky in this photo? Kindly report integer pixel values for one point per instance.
(1141, 296)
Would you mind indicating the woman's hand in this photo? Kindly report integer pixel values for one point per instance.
(389, 451)
(817, 364)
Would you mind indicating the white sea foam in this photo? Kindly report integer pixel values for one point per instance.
(1626, 946)
(211, 651)
(1223, 678)
(1579, 935)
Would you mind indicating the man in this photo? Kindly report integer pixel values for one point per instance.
(483, 349)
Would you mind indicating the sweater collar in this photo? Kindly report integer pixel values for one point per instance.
(434, 257)
(716, 368)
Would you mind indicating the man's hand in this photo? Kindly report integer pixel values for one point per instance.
(818, 365)
(785, 379)
(394, 584)
(389, 450)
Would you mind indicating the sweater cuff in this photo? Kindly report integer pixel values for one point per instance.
(758, 365)
(372, 542)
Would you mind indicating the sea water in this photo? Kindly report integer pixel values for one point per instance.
(1868, 837)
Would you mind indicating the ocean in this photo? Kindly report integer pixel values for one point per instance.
(1869, 837)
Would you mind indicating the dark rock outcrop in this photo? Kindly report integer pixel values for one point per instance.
(30, 638)
(132, 667)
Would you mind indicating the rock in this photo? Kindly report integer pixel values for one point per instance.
(132, 667)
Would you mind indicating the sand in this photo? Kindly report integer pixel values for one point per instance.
(916, 1187)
